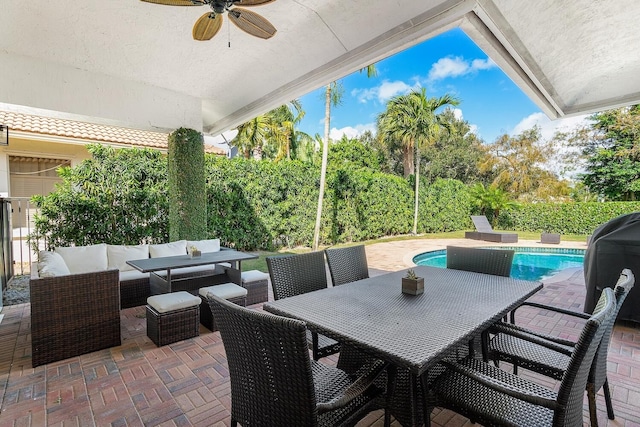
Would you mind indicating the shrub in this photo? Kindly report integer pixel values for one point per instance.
(117, 197)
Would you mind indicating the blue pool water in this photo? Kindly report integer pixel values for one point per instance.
(528, 263)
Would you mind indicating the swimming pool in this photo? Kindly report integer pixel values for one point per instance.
(528, 263)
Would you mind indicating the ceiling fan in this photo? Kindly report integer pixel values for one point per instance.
(209, 24)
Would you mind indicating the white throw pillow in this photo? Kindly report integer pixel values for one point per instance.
(85, 259)
(168, 249)
(51, 264)
(212, 245)
(118, 255)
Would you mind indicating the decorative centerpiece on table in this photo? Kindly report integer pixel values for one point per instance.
(412, 284)
(194, 252)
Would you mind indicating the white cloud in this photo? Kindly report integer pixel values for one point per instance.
(457, 66)
(549, 127)
(482, 64)
(351, 132)
(385, 91)
(457, 113)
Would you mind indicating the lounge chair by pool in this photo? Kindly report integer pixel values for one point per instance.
(485, 232)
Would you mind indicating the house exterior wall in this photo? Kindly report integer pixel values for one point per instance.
(26, 146)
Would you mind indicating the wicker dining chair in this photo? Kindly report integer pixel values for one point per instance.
(347, 265)
(488, 261)
(275, 383)
(479, 260)
(298, 274)
(550, 355)
(490, 396)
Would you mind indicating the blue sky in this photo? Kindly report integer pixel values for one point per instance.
(450, 63)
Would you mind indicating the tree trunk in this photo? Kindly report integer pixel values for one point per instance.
(323, 170)
(417, 193)
(257, 152)
(407, 160)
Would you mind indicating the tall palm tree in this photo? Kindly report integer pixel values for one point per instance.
(411, 119)
(252, 135)
(276, 126)
(333, 95)
(282, 130)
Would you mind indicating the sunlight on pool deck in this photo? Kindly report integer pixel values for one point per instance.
(392, 256)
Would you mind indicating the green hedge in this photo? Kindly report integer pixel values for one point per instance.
(120, 197)
(265, 205)
(362, 204)
(445, 205)
(261, 204)
(564, 218)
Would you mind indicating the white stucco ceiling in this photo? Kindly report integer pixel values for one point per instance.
(135, 64)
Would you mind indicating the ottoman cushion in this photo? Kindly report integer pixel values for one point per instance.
(173, 301)
(229, 291)
(254, 276)
(226, 291)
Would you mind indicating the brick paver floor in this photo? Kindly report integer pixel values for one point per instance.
(187, 383)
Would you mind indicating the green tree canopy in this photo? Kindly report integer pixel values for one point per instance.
(455, 154)
(612, 152)
(518, 163)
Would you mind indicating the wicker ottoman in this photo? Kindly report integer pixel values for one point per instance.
(229, 291)
(172, 317)
(257, 285)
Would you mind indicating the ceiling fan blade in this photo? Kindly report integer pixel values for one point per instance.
(254, 2)
(173, 2)
(252, 23)
(206, 27)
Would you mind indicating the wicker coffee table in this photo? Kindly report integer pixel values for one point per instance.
(192, 282)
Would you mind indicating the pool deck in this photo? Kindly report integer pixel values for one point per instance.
(187, 383)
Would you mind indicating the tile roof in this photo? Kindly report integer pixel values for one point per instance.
(88, 131)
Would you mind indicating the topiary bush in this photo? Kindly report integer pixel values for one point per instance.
(186, 181)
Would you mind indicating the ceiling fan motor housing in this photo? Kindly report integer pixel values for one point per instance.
(220, 7)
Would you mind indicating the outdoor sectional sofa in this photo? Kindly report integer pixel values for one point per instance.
(77, 293)
(134, 285)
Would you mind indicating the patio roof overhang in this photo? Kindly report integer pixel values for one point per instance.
(134, 64)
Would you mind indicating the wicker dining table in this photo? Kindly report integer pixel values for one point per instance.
(412, 332)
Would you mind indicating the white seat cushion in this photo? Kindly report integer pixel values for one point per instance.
(118, 255)
(85, 259)
(132, 275)
(204, 269)
(173, 301)
(254, 276)
(204, 246)
(224, 291)
(168, 249)
(51, 264)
